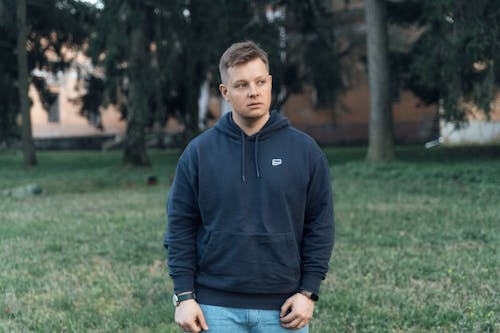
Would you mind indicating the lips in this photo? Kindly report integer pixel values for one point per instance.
(252, 105)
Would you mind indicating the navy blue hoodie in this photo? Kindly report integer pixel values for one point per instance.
(250, 218)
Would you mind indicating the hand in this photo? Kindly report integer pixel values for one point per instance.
(189, 317)
(297, 311)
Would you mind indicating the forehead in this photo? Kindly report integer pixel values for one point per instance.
(248, 70)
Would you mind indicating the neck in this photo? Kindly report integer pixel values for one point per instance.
(250, 126)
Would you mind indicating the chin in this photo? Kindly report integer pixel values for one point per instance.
(261, 110)
(256, 114)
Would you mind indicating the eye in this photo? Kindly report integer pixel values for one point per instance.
(261, 82)
(241, 85)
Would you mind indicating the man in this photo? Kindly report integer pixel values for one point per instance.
(250, 213)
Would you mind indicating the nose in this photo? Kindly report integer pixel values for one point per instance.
(253, 90)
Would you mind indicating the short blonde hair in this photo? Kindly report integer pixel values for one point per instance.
(240, 53)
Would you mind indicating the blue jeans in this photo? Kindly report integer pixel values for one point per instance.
(232, 320)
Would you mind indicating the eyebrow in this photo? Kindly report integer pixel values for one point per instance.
(260, 77)
(240, 81)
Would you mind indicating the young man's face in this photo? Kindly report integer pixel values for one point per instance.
(248, 89)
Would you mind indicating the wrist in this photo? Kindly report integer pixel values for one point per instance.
(305, 293)
(309, 294)
(183, 296)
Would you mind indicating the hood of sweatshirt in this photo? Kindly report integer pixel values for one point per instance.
(227, 126)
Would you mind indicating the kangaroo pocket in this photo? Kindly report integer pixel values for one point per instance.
(250, 263)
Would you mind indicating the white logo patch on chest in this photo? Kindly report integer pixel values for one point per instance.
(276, 161)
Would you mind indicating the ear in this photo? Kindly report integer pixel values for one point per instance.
(223, 91)
(271, 79)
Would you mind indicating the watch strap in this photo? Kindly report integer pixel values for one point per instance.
(314, 297)
(183, 297)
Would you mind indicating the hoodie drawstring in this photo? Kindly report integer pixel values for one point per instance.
(227, 126)
(256, 156)
(243, 157)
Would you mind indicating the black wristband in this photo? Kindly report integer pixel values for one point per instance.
(184, 297)
(314, 297)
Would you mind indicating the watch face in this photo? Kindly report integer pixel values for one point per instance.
(176, 299)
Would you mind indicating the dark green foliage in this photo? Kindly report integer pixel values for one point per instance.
(190, 37)
(91, 101)
(8, 91)
(46, 96)
(405, 12)
(456, 58)
(120, 44)
(109, 36)
(8, 73)
(311, 27)
(60, 23)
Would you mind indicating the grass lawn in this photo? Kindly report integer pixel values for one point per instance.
(417, 246)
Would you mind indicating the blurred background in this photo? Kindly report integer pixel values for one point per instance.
(109, 74)
(90, 88)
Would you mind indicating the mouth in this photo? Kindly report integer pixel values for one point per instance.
(254, 105)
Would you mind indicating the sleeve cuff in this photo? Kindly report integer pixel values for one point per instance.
(311, 282)
(183, 283)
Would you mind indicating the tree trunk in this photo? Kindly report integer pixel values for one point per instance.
(160, 112)
(191, 93)
(24, 103)
(137, 110)
(381, 142)
(195, 69)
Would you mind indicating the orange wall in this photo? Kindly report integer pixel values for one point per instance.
(71, 123)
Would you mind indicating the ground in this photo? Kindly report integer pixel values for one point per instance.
(416, 247)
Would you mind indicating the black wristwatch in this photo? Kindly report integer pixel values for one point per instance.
(314, 297)
(177, 299)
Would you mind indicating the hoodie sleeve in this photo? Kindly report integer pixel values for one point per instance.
(319, 230)
(183, 222)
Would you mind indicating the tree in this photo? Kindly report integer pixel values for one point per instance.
(120, 44)
(457, 59)
(8, 72)
(49, 25)
(137, 110)
(28, 145)
(312, 57)
(13, 29)
(184, 40)
(381, 142)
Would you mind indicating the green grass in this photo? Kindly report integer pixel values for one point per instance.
(416, 248)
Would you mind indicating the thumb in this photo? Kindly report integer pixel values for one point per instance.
(203, 323)
(285, 307)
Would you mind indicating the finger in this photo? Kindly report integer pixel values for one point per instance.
(285, 307)
(298, 323)
(185, 329)
(293, 324)
(202, 322)
(191, 328)
(302, 324)
(290, 317)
